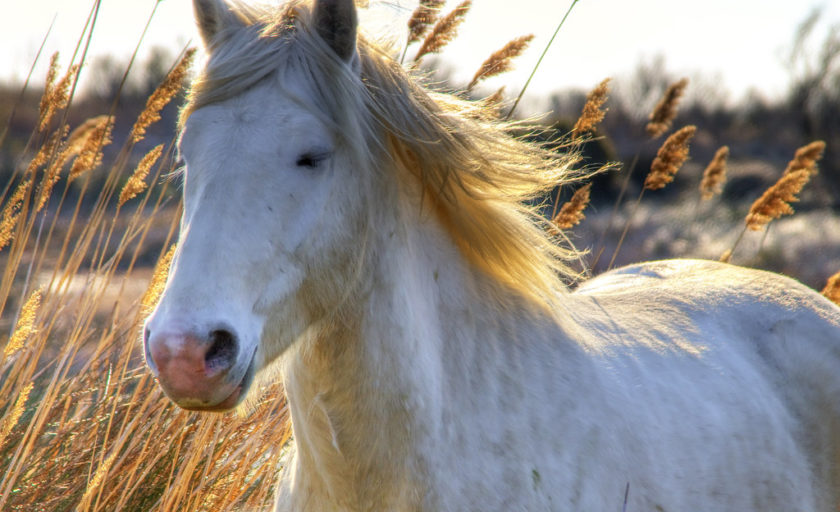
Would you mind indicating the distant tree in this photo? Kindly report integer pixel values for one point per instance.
(814, 93)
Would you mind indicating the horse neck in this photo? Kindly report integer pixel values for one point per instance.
(366, 391)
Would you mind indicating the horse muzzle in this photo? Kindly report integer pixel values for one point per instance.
(199, 372)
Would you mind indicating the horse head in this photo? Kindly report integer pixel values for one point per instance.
(266, 179)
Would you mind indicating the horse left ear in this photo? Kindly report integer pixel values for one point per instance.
(336, 22)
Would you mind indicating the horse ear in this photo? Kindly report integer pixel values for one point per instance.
(212, 17)
(336, 23)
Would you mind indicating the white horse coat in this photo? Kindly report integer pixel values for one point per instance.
(430, 357)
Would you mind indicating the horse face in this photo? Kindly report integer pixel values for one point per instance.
(265, 189)
(265, 200)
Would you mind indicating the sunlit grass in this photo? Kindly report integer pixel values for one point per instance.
(83, 425)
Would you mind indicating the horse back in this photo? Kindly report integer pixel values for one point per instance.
(734, 322)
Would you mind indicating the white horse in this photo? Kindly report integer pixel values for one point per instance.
(371, 240)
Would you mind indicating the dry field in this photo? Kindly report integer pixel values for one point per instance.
(83, 426)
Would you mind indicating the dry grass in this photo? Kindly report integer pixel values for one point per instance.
(136, 184)
(571, 213)
(669, 158)
(714, 176)
(422, 18)
(806, 157)
(832, 289)
(83, 425)
(162, 95)
(593, 110)
(501, 60)
(776, 200)
(90, 155)
(444, 30)
(666, 110)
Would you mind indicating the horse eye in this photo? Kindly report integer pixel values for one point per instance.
(311, 160)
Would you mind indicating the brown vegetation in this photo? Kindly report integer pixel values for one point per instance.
(83, 425)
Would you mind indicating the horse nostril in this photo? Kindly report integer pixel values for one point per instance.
(222, 352)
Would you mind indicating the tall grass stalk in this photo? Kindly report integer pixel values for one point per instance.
(539, 61)
(83, 425)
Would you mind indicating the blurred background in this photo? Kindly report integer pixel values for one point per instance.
(764, 79)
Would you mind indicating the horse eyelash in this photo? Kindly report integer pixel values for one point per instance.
(312, 160)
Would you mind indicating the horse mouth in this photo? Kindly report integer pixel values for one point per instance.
(240, 391)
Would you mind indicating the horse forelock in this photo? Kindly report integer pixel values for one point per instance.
(482, 180)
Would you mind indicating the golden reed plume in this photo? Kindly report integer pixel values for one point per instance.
(501, 61)
(11, 211)
(72, 147)
(170, 86)
(669, 158)
(422, 18)
(775, 202)
(25, 326)
(444, 30)
(96, 480)
(46, 151)
(666, 110)
(832, 289)
(714, 176)
(158, 282)
(13, 416)
(136, 183)
(571, 213)
(90, 154)
(806, 157)
(592, 113)
(44, 108)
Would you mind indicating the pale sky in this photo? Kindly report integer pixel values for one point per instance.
(738, 43)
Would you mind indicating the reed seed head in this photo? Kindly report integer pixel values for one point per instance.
(422, 18)
(170, 86)
(501, 61)
(11, 211)
(571, 213)
(158, 282)
(59, 97)
(775, 202)
(666, 110)
(714, 176)
(444, 30)
(90, 156)
(136, 183)
(25, 326)
(96, 480)
(832, 289)
(11, 419)
(46, 97)
(806, 157)
(592, 113)
(46, 151)
(669, 158)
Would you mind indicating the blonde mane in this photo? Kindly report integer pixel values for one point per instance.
(482, 181)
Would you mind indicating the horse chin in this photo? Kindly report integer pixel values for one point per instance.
(237, 395)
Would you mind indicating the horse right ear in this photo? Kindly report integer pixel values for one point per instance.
(336, 22)
(213, 17)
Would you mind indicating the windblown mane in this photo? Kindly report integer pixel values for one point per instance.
(482, 180)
